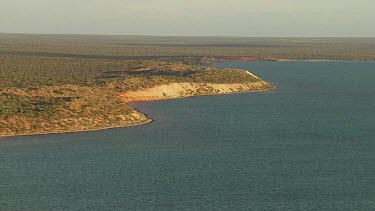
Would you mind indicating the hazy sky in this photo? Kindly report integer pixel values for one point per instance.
(190, 17)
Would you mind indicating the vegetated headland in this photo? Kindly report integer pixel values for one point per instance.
(68, 83)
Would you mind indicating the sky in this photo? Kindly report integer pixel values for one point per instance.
(248, 18)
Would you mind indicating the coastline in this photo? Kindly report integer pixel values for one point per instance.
(273, 59)
(147, 119)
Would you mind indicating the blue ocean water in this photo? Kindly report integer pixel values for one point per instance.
(309, 145)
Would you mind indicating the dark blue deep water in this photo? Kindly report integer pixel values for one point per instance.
(309, 145)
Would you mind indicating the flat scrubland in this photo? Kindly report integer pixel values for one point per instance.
(65, 83)
(187, 49)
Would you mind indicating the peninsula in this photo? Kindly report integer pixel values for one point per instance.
(42, 95)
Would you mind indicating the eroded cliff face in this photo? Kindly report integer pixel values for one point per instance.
(180, 90)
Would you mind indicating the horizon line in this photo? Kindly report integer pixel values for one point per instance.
(153, 35)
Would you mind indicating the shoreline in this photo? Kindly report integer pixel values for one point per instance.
(216, 60)
(148, 119)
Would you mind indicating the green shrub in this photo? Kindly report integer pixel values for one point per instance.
(58, 92)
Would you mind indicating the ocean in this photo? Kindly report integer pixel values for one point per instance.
(308, 145)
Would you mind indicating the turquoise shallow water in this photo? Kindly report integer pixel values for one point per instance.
(309, 145)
